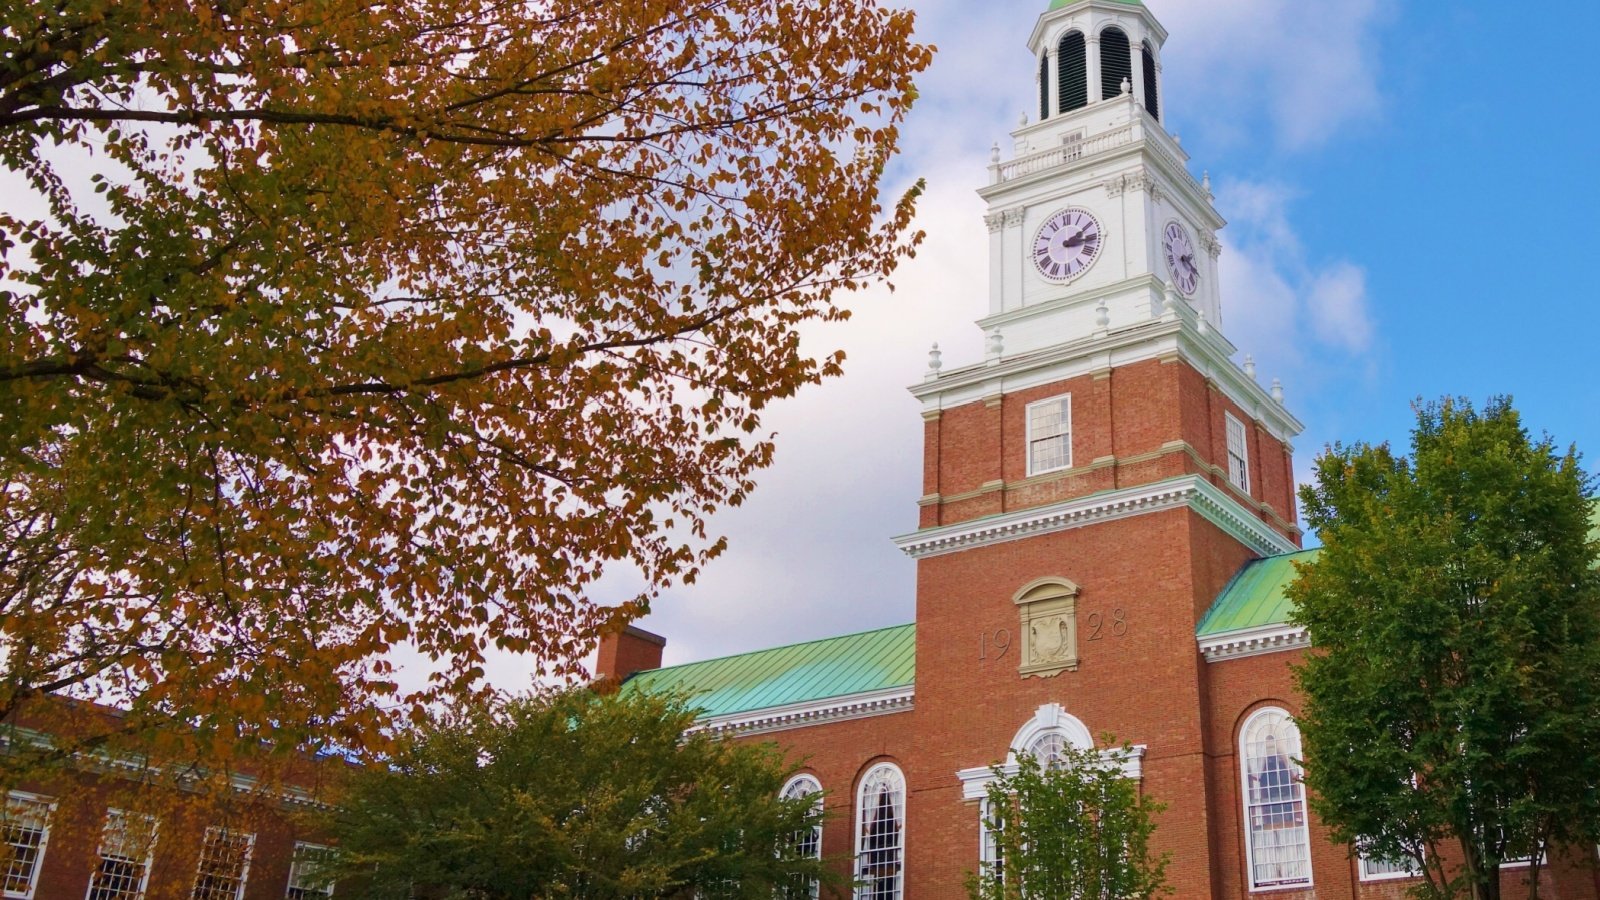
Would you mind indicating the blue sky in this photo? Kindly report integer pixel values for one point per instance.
(1410, 188)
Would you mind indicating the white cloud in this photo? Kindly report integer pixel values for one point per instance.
(1308, 69)
(1295, 316)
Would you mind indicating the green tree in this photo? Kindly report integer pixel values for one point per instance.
(333, 328)
(1073, 829)
(1452, 702)
(573, 794)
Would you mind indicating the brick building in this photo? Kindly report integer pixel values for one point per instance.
(116, 825)
(1107, 527)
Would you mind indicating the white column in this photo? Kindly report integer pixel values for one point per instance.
(997, 247)
(1136, 76)
(1161, 93)
(1092, 52)
(1015, 254)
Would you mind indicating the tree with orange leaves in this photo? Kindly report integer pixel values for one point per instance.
(343, 326)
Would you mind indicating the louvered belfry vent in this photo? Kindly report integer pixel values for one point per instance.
(1152, 99)
(1116, 62)
(1044, 88)
(1072, 59)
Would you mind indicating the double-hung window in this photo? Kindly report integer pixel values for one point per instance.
(1238, 454)
(1388, 869)
(881, 834)
(127, 845)
(26, 830)
(224, 864)
(1277, 838)
(1050, 435)
(805, 844)
(306, 879)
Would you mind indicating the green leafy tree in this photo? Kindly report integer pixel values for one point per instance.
(1452, 703)
(573, 794)
(1073, 829)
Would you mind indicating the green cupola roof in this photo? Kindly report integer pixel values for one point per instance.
(1057, 4)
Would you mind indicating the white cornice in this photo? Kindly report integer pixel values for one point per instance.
(975, 781)
(1207, 350)
(1253, 642)
(815, 712)
(1189, 491)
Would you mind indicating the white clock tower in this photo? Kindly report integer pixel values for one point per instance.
(1096, 223)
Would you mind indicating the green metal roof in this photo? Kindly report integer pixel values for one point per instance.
(1057, 4)
(1254, 598)
(799, 673)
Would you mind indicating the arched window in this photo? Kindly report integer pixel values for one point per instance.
(1072, 75)
(1048, 748)
(881, 834)
(1044, 87)
(1277, 839)
(1116, 62)
(806, 844)
(1152, 98)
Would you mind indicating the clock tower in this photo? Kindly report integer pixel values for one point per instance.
(1091, 485)
(1098, 156)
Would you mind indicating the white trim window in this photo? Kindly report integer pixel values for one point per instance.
(1238, 453)
(1387, 869)
(224, 864)
(1050, 435)
(304, 883)
(127, 847)
(1277, 837)
(991, 853)
(881, 834)
(806, 844)
(25, 827)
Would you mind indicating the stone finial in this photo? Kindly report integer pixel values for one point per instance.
(1277, 389)
(1249, 366)
(1127, 87)
(1102, 316)
(1169, 304)
(1022, 122)
(1205, 323)
(997, 345)
(994, 154)
(1205, 180)
(935, 361)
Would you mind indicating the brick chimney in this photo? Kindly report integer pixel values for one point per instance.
(627, 651)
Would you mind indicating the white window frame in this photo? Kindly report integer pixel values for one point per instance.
(149, 856)
(302, 850)
(1299, 798)
(1238, 453)
(1064, 435)
(49, 810)
(864, 810)
(804, 785)
(989, 851)
(215, 831)
(1362, 861)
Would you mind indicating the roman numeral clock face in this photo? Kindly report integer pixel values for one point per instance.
(1180, 258)
(1068, 243)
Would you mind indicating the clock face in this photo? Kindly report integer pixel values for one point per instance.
(1180, 258)
(1068, 243)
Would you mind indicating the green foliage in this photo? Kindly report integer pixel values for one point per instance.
(1075, 829)
(572, 795)
(1454, 695)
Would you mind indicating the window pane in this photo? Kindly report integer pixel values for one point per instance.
(1049, 435)
(1275, 809)
(25, 827)
(224, 860)
(880, 845)
(126, 843)
(805, 844)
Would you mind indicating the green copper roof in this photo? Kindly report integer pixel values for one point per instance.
(799, 673)
(1057, 4)
(1254, 597)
